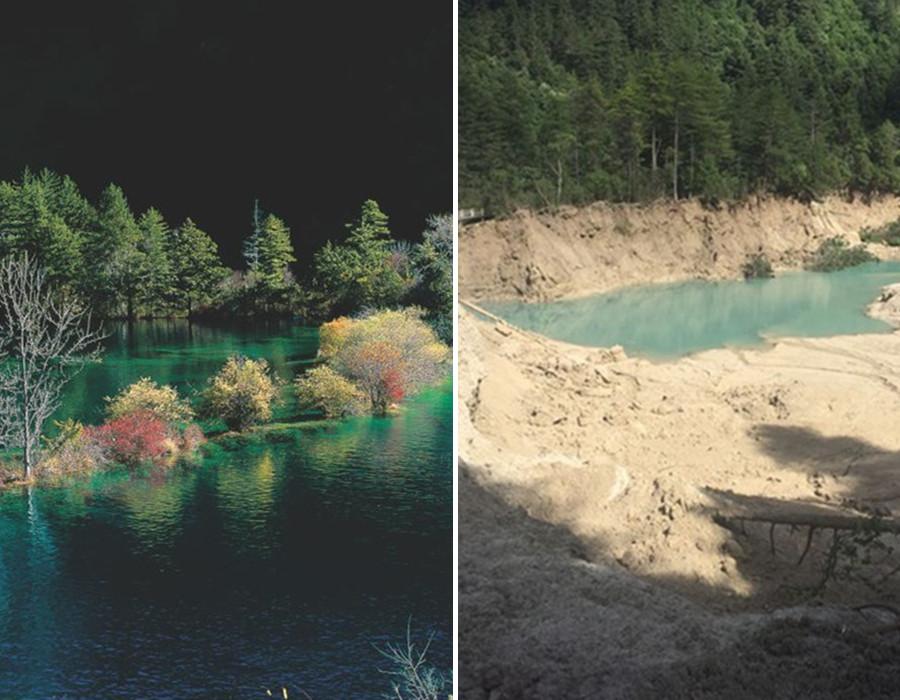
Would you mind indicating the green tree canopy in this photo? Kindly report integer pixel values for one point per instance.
(114, 251)
(156, 272)
(275, 254)
(361, 272)
(579, 100)
(197, 270)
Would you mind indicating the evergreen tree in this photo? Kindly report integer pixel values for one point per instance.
(336, 271)
(65, 200)
(370, 239)
(434, 267)
(114, 254)
(358, 273)
(251, 243)
(196, 267)
(885, 150)
(30, 221)
(570, 100)
(120, 265)
(155, 273)
(276, 253)
(370, 231)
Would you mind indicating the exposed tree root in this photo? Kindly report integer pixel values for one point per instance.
(733, 509)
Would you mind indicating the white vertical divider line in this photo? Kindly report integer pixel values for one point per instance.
(455, 126)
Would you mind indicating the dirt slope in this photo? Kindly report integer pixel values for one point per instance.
(591, 563)
(597, 248)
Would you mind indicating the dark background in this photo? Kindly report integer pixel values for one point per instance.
(196, 108)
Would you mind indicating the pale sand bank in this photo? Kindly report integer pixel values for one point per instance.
(591, 561)
(588, 250)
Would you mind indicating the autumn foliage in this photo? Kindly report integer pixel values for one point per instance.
(332, 335)
(146, 424)
(133, 438)
(242, 393)
(70, 451)
(322, 389)
(146, 395)
(387, 355)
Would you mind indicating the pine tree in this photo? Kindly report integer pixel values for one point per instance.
(336, 270)
(356, 274)
(251, 243)
(885, 150)
(434, 266)
(114, 254)
(276, 253)
(693, 97)
(196, 267)
(156, 274)
(370, 229)
(30, 222)
(73, 207)
(370, 239)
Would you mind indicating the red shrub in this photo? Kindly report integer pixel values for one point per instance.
(133, 438)
(393, 384)
(377, 367)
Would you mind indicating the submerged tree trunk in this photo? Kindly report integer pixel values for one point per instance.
(378, 401)
(28, 456)
(26, 400)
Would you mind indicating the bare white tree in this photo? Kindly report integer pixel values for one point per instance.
(45, 338)
(413, 677)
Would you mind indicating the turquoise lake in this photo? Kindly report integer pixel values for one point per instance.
(666, 321)
(274, 561)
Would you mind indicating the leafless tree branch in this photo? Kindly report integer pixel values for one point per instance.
(414, 679)
(46, 336)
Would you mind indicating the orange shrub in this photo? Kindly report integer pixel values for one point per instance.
(332, 335)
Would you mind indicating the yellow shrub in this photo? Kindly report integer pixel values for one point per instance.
(323, 389)
(69, 452)
(147, 395)
(242, 393)
(332, 335)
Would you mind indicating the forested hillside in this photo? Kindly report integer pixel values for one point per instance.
(568, 101)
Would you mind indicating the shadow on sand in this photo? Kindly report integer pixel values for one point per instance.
(538, 620)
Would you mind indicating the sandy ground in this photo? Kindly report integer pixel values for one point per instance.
(600, 555)
(577, 252)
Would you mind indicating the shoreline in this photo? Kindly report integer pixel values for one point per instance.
(549, 524)
(885, 307)
(595, 496)
(530, 367)
(604, 247)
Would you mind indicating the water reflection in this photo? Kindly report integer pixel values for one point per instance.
(245, 496)
(183, 355)
(270, 561)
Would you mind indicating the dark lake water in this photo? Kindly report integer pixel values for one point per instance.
(272, 562)
(670, 320)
